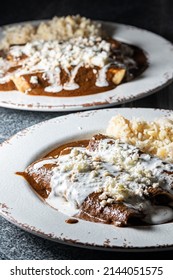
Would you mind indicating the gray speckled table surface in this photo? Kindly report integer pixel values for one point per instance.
(156, 16)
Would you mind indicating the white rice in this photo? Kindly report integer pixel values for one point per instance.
(58, 28)
(154, 137)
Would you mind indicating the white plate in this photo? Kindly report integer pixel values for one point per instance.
(21, 206)
(159, 73)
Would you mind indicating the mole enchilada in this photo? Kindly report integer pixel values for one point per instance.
(74, 66)
(107, 181)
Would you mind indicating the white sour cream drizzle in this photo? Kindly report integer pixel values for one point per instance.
(101, 80)
(50, 57)
(119, 171)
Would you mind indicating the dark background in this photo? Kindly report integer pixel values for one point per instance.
(153, 15)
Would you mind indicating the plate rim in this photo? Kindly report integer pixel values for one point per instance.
(77, 244)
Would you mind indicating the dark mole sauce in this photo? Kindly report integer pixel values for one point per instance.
(71, 221)
(66, 148)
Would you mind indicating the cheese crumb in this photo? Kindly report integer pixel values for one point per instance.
(34, 80)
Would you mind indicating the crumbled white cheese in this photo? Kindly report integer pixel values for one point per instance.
(50, 57)
(34, 80)
(91, 51)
